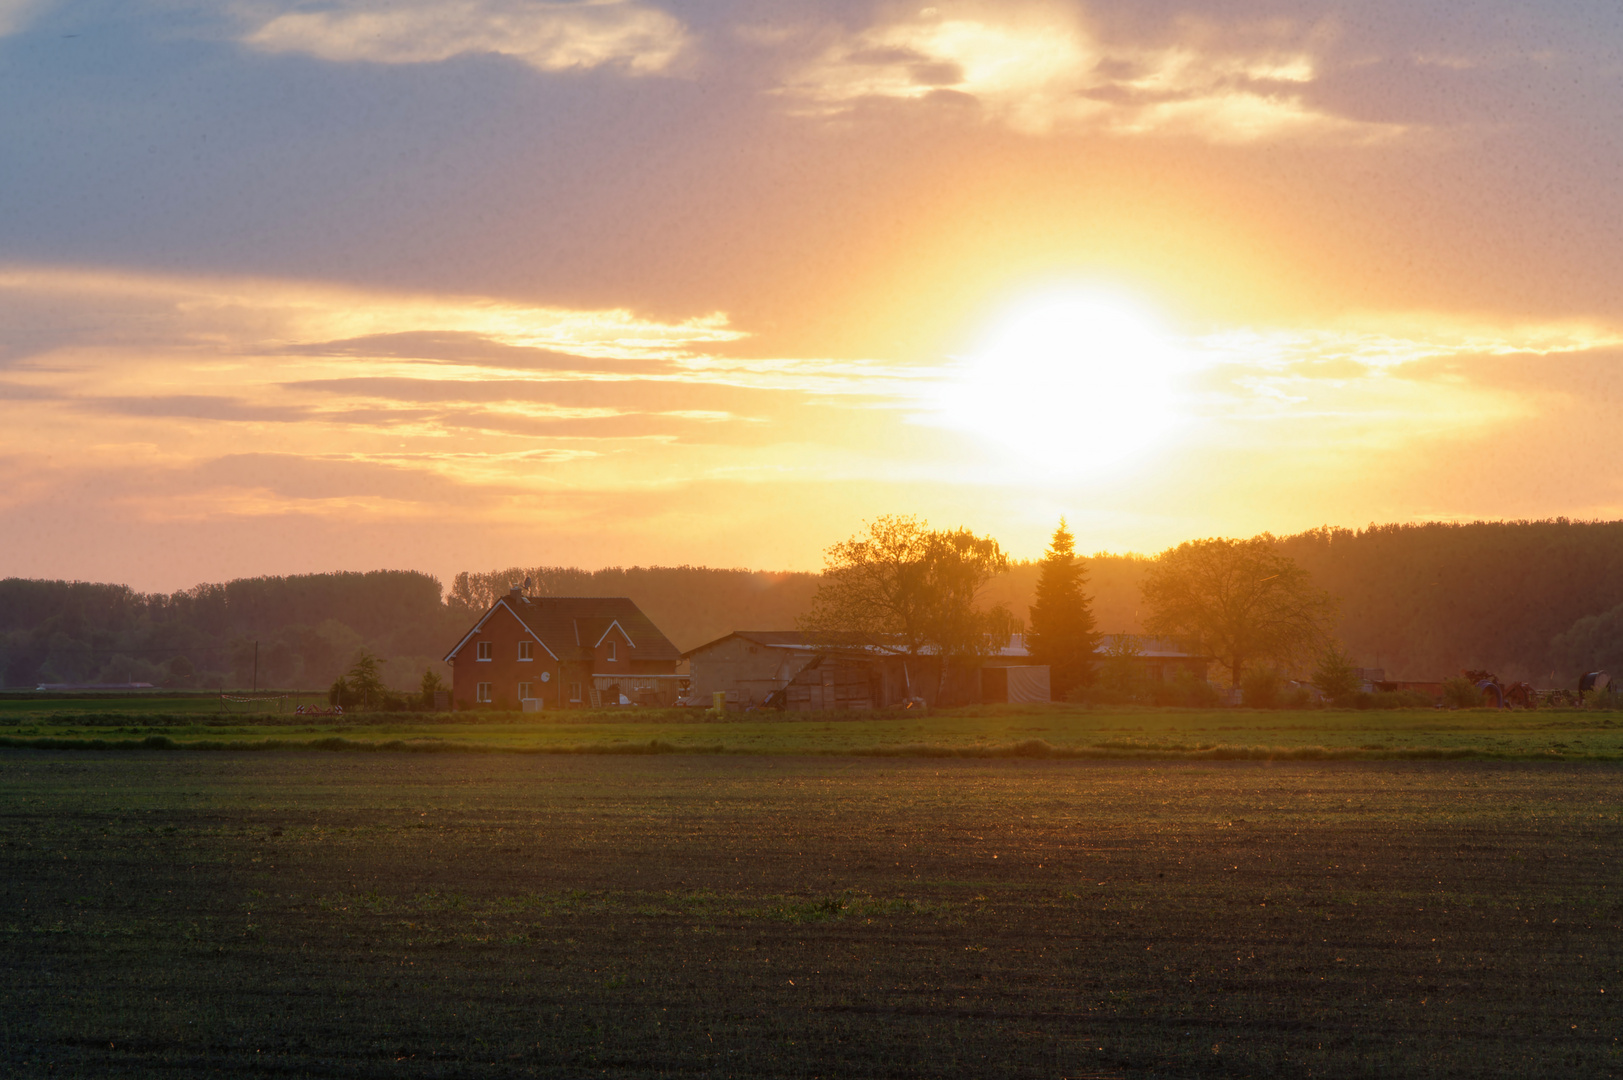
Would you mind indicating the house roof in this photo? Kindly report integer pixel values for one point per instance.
(798, 641)
(791, 640)
(1150, 647)
(570, 627)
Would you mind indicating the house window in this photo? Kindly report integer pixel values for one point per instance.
(524, 691)
(485, 648)
(482, 692)
(526, 650)
(574, 691)
(611, 652)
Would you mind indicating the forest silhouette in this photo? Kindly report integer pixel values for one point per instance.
(1540, 600)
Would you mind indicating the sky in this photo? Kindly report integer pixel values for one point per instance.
(291, 287)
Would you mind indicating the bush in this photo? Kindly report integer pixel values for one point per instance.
(1101, 694)
(1336, 678)
(1186, 690)
(1461, 693)
(1298, 697)
(1260, 688)
(1401, 699)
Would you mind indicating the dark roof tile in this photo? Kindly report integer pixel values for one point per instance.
(570, 625)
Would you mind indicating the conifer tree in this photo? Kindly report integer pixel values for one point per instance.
(1061, 633)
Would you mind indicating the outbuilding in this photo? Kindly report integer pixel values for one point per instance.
(796, 671)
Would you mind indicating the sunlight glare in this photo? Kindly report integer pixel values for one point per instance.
(1070, 382)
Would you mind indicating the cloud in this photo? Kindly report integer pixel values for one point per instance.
(547, 36)
(1038, 70)
(474, 350)
(196, 407)
(115, 374)
(46, 307)
(163, 400)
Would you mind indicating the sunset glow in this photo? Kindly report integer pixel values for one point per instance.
(1073, 382)
(457, 285)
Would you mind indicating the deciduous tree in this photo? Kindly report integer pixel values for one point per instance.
(902, 587)
(1061, 632)
(1242, 599)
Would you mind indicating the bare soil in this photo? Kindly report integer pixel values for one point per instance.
(490, 915)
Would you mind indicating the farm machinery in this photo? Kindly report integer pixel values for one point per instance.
(1501, 695)
(1589, 684)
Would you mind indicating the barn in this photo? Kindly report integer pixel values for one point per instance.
(1155, 660)
(793, 670)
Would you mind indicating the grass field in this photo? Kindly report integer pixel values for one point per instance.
(1036, 730)
(455, 915)
(31, 705)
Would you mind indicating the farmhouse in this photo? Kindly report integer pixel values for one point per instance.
(562, 652)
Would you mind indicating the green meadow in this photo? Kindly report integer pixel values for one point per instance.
(164, 704)
(1025, 731)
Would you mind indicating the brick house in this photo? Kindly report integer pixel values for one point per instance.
(563, 652)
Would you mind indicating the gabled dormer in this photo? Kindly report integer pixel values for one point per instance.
(501, 633)
(613, 648)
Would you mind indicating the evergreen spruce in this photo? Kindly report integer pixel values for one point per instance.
(1061, 633)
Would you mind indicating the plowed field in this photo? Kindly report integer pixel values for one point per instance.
(460, 915)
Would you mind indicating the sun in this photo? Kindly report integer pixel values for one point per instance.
(1072, 380)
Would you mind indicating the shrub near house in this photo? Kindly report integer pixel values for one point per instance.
(561, 651)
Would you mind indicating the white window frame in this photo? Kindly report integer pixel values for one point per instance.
(574, 691)
(526, 651)
(481, 693)
(485, 651)
(526, 690)
(611, 651)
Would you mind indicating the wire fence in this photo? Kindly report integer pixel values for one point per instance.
(252, 703)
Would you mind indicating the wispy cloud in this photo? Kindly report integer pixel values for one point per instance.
(547, 36)
(1039, 69)
(119, 371)
(47, 307)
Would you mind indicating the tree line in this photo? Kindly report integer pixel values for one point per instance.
(299, 631)
(1536, 601)
(1541, 601)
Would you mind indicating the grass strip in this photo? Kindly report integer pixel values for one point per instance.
(1030, 748)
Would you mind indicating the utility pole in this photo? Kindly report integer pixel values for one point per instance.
(256, 667)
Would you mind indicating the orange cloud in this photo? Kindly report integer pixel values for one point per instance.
(1040, 69)
(159, 401)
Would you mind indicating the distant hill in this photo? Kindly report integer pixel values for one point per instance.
(1520, 598)
(690, 604)
(308, 628)
(1537, 600)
